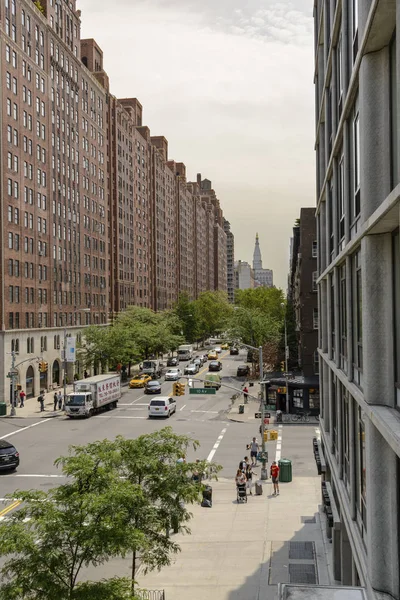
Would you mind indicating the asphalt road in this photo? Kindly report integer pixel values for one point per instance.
(204, 418)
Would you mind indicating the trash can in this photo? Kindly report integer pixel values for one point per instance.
(285, 470)
(3, 409)
(241, 409)
(207, 493)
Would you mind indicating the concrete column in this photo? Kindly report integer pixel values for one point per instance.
(324, 378)
(349, 310)
(334, 94)
(352, 457)
(363, 12)
(334, 206)
(323, 316)
(322, 235)
(345, 48)
(346, 183)
(346, 558)
(378, 337)
(326, 30)
(339, 422)
(337, 313)
(328, 314)
(382, 516)
(375, 127)
(331, 406)
(328, 197)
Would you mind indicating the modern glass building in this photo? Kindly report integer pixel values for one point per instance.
(358, 212)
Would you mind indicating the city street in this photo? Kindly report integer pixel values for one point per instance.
(205, 418)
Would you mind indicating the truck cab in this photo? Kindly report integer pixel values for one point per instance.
(79, 404)
(152, 368)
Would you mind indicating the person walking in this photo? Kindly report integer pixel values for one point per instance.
(240, 478)
(246, 394)
(249, 478)
(274, 472)
(41, 401)
(60, 400)
(22, 396)
(55, 401)
(254, 450)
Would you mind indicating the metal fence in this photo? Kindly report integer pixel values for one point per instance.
(150, 594)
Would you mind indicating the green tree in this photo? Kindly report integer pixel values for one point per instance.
(120, 496)
(213, 312)
(107, 346)
(185, 310)
(267, 300)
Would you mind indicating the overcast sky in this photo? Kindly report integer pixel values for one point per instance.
(229, 83)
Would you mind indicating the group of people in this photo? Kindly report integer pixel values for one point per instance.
(244, 474)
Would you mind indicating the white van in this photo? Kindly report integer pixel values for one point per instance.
(163, 406)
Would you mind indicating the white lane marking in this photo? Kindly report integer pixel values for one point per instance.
(182, 407)
(279, 444)
(140, 398)
(216, 445)
(47, 420)
(35, 475)
(213, 412)
(125, 417)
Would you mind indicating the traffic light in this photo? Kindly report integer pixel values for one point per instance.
(175, 389)
(180, 389)
(43, 366)
(282, 366)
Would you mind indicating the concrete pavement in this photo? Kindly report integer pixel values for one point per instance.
(242, 551)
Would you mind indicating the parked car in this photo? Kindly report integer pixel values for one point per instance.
(243, 371)
(139, 381)
(213, 355)
(162, 407)
(191, 369)
(153, 387)
(173, 374)
(173, 361)
(198, 362)
(218, 349)
(215, 365)
(9, 456)
(234, 351)
(212, 380)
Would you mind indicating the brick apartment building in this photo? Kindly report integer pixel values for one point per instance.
(93, 218)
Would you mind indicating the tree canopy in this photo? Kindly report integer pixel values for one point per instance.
(119, 498)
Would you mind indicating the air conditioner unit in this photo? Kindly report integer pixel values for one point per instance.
(41, 253)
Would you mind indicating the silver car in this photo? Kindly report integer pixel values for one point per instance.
(173, 374)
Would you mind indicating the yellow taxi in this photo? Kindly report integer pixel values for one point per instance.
(213, 355)
(225, 347)
(139, 381)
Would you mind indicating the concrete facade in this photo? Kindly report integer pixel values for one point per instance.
(302, 292)
(358, 215)
(244, 275)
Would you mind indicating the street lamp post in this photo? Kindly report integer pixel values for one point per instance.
(65, 365)
(286, 368)
(12, 399)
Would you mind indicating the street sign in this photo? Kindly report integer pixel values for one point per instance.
(202, 391)
(257, 415)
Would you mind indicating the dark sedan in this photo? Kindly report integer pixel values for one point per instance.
(153, 387)
(9, 457)
(215, 365)
(243, 371)
(234, 351)
(172, 362)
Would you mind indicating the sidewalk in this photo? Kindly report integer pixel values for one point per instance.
(31, 407)
(241, 551)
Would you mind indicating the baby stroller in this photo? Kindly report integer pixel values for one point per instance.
(241, 493)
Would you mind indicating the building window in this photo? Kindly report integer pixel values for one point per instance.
(314, 249)
(345, 415)
(355, 28)
(357, 320)
(340, 203)
(339, 78)
(393, 115)
(396, 309)
(315, 318)
(333, 323)
(356, 162)
(316, 362)
(361, 479)
(314, 281)
(343, 318)
(334, 417)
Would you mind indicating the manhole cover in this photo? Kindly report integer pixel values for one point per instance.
(301, 550)
(308, 520)
(302, 574)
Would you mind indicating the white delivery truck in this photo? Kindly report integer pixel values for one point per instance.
(185, 352)
(92, 395)
(152, 367)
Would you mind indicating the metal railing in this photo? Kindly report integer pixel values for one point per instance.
(150, 594)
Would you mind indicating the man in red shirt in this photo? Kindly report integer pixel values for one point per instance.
(274, 471)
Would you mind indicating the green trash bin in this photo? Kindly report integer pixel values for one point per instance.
(285, 470)
(241, 409)
(3, 409)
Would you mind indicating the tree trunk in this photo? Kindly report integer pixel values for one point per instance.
(133, 572)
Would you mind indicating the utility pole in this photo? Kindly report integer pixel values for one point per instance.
(286, 368)
(13, 411)
(65, 364)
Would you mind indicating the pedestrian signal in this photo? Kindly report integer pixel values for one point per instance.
(282, 365)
